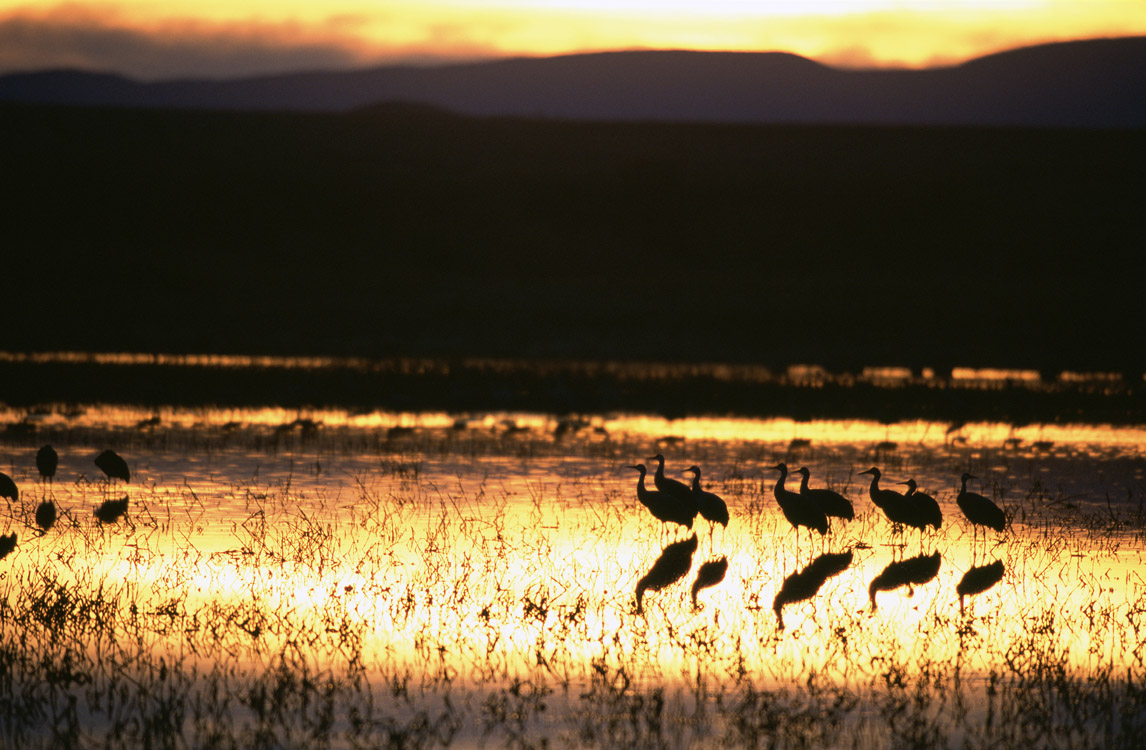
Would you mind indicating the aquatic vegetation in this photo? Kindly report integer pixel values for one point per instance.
(467, 587)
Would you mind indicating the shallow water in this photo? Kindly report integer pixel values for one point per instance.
(483, 567)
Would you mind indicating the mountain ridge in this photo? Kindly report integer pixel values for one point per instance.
(1079, 84)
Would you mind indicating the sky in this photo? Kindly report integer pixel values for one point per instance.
(155, 39)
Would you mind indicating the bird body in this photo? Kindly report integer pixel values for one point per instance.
(672, 565)
(7, 544)
(979, 510)
(113, 465)
(8, 488)
(109, 511)
(46, 515)
(894, 505)
(829, 502)
(710, 506)
(664, 507)
(672, 487)
(46, 461)
(923, 505)
(979, 579)
(710, 574)
(796, 509)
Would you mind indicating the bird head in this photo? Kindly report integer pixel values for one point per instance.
(639, 467)
(873, 471)
(781, 467)
(693, 470)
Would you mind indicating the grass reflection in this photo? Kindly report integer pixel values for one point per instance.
(454, 592)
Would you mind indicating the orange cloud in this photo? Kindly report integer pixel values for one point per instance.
(242, 37)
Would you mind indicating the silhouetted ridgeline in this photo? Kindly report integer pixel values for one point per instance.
(1077, 84)
(414, 233)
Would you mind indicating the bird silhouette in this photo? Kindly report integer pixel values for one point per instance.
(672, 565)
(46, 515)
(831, 503)
(796, 509)
(710, 574)
(7, 544)
(915, 571)
(113, 465)
(710, 506)
(672, 487)
(979, 510)
(46, 462)
(806, 583)
(894, 505)
(979, 579)
(664, 507)
(923, 505)
(8, 488)
(109, 511)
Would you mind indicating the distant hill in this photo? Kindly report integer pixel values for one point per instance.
(1089, 84)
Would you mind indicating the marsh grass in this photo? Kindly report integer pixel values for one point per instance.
(462, 588)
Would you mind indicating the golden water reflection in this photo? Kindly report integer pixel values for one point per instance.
(430, 557)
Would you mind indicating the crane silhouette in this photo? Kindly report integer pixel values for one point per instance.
(672, 565)
(113, 465)
(672, 487)
(710, 506)
(109, 511)
(923, 505)
(830, 503)
(894, 505)
(8, 488)
(806, 583)
(979, 579)
(7, 544)
(710, 574)
(46, 462)
(796, 509)
(664, 507)
(915, 571)
(979, 510)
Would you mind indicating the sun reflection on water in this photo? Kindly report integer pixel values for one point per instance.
(515, 556)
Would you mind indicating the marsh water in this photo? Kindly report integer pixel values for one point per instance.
(347, 578)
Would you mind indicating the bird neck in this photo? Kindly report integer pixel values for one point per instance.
(803, 483)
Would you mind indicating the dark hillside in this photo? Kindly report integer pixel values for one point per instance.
(1091, 84)
(408, 231)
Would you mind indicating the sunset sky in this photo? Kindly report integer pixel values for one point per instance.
(219, 38)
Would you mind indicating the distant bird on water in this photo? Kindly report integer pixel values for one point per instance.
(710, 506)
(110, 511)
(8, 488)
(923, 505)
(977, 580)
(672, 565)
(979, 510)
(113, 465)
(710, 574)
(46, 462)
(663, 506)
(798, 511)
(831, 503)
(7, 544)
(46, 515)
